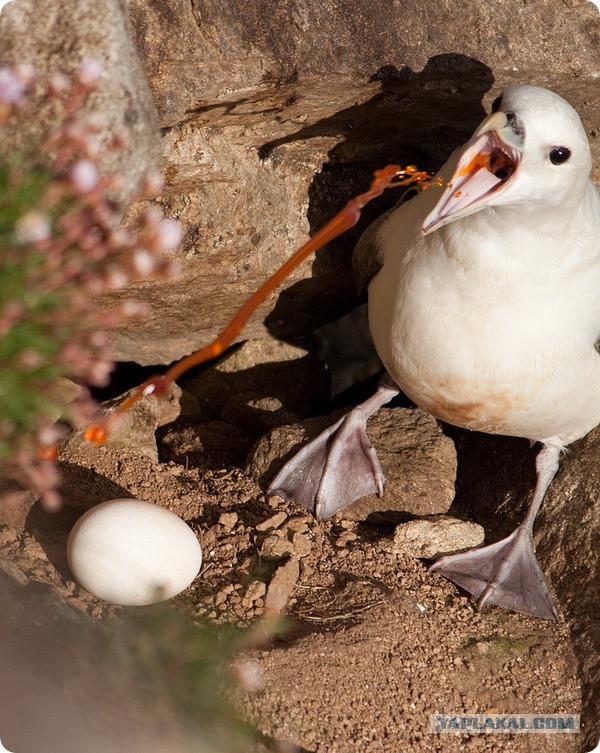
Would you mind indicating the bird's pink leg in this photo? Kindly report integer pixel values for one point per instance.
(340, 465)
(507, 573)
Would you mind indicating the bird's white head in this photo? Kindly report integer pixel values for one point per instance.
(532, 150)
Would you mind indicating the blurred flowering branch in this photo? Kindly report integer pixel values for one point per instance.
(61, 246)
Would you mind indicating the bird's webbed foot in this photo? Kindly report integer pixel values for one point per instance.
(333, 470)
(506, 573)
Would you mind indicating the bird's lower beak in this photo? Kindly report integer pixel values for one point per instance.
(489, 161)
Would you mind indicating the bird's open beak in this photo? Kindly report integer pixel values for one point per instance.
(488, 163)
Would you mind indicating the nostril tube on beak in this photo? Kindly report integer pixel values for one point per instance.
(494, 122)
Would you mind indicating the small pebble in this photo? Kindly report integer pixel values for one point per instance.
(255, 591)
(275, 547)
(273, 522)
(430, 537)
(297, 524)
(302, 545)
(344, 538)
(228, 520)
(282, 585)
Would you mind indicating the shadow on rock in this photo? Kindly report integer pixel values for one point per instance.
(495, 478)
(417, 118)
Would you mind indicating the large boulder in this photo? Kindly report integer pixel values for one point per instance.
(417, 459)
(274, 116)
(569, 547)
(56, 36)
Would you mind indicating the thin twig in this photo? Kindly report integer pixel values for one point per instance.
(344, 615)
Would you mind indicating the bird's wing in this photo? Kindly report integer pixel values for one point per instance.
(367, 258)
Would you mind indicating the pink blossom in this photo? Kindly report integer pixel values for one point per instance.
(116, 278)
(119, 238)
(98, 339)
(33, 227)
(25, 72)
(131, 309)
(12, 88)
(249, 674)
(143, 262)
(49, 435)
(99, 372)
(85, 252)
(168, 235)
(84, 176)
(152, 184)
(89, 73)
(51, 500)
(59, 84)
(31, 358)
(152, 216)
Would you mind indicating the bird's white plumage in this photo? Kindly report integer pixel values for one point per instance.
(490, 322)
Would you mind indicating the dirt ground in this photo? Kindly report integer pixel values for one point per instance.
(373, 643)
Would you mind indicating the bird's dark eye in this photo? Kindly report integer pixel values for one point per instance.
(559, 155)
(496, 104)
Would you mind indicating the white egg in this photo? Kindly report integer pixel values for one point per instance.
(133, 553)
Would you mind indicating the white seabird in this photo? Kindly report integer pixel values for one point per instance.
(484, 307)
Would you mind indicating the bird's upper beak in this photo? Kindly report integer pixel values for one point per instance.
(488, 162)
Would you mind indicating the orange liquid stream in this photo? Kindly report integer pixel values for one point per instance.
(342, 221)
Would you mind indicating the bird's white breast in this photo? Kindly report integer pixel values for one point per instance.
(492, 327)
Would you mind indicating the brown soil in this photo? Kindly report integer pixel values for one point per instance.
(374, 643)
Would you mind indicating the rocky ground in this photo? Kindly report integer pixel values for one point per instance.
(373, 643)
(269, 122)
